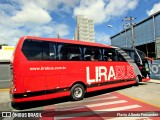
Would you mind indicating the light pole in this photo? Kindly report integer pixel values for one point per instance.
(125, 36)
(110, 26)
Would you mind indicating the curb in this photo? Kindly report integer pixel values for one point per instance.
(154, 81)
(4, 89)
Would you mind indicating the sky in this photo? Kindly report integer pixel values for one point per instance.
(47, 18)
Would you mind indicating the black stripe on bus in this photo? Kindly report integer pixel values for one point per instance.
(38, 93)
(110, 82)
(52, 91)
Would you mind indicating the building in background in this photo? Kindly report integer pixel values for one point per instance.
(6, 53)
(146, 36)
(84, 29)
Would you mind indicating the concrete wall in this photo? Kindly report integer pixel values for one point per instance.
(6, 53)
(5, 73)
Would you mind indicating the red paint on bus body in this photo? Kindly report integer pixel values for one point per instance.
(40, 80)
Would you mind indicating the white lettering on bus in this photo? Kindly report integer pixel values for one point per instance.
(117, 72)
(88, 76)
(111, 73)
(120, 72)
(102, 72)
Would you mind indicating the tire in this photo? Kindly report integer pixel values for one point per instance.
(77, 92)
(17, 106)
(137, 81)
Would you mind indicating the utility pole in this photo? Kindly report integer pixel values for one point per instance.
(130, 21)
(124, 28)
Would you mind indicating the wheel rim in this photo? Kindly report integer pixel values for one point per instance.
(78, 92)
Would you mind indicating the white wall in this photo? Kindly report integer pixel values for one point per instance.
(6, 53)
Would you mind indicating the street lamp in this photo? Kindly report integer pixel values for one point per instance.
(110, 26)
(125, 36)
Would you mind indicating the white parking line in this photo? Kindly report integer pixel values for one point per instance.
(86, 101)
(100, 111)
(107, 98)
(106, 103)
(92, 105)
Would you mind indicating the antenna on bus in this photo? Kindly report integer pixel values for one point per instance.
(58, 35)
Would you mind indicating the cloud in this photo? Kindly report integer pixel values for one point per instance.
(155, 9)
(102, 38)
(35, 17)
(103, 10)
(63, 5)
(61, 29)
(28, 18)
(93, 9)
(117, 8)
(50, 30)
(32, 14)
(11, 35)
(52, 5)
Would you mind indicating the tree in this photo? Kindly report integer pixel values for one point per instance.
(3, 44)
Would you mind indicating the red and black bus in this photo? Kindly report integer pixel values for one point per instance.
(46, 68)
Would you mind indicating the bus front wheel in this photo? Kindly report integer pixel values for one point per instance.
(77, 92)
(137, 81)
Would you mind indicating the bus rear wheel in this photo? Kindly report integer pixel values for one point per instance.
(77, 92)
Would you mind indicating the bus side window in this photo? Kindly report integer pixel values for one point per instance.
(32, 49)
(52, 51)
(38, 50)
(49, 52)
(136, 58)
(92, 53)
(69, 52)
(120, 57)
(109, 54)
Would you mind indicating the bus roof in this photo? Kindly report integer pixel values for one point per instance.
(65, 41)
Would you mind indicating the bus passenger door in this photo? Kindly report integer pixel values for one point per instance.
(51, 68)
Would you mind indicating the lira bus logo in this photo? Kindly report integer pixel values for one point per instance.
(108, 73)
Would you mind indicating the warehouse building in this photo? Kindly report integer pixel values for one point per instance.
(146, 36)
